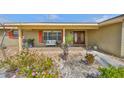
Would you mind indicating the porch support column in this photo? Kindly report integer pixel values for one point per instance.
(122, 40)
(20, 40)
(86, 39)
(63, 35)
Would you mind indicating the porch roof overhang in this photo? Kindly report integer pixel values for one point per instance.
(50, 26)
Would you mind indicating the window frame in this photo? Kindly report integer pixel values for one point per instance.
(15, 36)
(49, 35)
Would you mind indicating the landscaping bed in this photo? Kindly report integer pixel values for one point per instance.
(41, 63)
(29, 65)
(76, 68)
(20, 65)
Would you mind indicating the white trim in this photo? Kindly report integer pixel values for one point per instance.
(112, 21)
(51, 31)
(20, 24)
(63, 35)
(9, 27)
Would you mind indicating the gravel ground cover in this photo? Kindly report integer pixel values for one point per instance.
(76, 68)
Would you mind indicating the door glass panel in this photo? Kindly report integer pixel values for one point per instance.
(75, 35)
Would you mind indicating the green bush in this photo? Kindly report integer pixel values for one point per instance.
(29, 43)
(112, 72)
(31, 65)
(69, 38)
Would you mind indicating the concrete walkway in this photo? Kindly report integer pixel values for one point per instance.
(107, 60)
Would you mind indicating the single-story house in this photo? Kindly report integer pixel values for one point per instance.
(107, 35)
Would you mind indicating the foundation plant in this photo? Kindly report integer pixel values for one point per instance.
(112, 72)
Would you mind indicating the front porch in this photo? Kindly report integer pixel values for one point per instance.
(50, 38)
(52, 34)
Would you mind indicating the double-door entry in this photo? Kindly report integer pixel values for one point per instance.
(79, 37)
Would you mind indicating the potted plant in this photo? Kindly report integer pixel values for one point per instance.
(89, 58)
(30, 43)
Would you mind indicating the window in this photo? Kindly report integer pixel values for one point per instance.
(59, 35)
(52, 35)
(45, 36)
(12, 34)
(15, 34)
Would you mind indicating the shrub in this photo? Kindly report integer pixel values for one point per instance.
(32, 65)
(112, 72)
(69, 38)
(65, 47)
(30, 42)
(89, 58)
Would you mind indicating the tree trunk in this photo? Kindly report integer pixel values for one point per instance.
(2, 47)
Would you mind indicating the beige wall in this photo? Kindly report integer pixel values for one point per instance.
(108, 38)
(122, 40)
(32, 34)
(8, 41)
(29, 34)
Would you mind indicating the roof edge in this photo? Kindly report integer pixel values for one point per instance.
(113, 20)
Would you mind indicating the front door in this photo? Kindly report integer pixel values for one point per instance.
(79, 37)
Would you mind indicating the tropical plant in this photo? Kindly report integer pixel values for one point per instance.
(112, 72)
(31, 65)
(69, 38)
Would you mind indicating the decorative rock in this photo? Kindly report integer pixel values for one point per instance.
(74, 68)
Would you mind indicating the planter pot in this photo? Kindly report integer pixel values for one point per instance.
(30, 45)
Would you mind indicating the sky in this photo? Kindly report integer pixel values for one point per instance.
(4, 18)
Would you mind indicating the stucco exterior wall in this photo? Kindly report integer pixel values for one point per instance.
(108, 38)
(8, 41)
(32, 34)
(122, 40)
